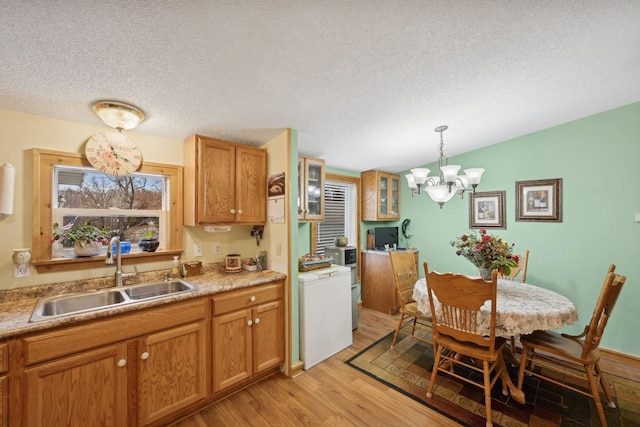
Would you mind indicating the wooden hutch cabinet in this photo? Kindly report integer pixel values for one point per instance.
(380, 196)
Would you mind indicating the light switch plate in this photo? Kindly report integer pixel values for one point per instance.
(638, 217)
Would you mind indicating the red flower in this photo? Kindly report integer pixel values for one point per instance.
(486, 238)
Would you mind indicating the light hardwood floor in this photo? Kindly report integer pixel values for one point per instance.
(329, 394)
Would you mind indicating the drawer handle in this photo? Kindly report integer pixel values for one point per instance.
(249, 323)
(144, 356)
(252, 299)
(122, 363)
(257, 320)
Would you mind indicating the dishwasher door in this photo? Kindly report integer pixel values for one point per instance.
(325, 313)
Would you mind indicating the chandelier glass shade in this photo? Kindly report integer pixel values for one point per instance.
(118, 115)
(441, 188)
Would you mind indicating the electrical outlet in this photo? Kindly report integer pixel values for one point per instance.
(197, 250)
(217, 248)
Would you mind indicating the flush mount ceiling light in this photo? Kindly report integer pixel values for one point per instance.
(118, 115)
(442, 188)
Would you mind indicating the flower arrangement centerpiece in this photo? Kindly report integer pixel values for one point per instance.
(86, 240)
(486, 252)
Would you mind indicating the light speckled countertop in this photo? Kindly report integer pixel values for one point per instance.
(16, 306)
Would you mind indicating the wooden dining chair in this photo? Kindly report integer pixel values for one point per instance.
(456, 329)
(405, 274)
(521, 269)
(573, 354)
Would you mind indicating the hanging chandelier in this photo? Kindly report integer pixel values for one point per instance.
(442, 188)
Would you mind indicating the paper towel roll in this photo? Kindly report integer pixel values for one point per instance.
(7, 185)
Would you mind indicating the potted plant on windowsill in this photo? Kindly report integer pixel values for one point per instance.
(149, 241)
(86, 240)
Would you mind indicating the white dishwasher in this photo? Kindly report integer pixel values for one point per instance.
(325, 313)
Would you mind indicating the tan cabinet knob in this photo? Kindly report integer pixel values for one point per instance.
(144, 356)
(233, 211)
(252, 299)
(257, 320)
(239, 211)
(122, 363)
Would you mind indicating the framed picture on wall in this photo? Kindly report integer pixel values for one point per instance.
(487, 210)
(539, 200)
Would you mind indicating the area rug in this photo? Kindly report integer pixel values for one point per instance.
(407, 369)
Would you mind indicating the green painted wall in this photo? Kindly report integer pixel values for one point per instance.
(597, 158)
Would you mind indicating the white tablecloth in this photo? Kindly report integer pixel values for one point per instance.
(521, 308)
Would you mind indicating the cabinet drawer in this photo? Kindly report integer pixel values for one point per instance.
(236, 300)
(4, 358)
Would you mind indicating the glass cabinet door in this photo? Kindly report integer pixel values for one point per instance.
(314, 189)
(393, 196)
(383, 188)
(310, 189)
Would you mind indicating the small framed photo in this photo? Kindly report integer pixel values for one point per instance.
(487, 210)
(539, 200)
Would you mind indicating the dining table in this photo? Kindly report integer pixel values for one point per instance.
(521, 308)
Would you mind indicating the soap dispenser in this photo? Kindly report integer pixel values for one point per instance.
(175, 268)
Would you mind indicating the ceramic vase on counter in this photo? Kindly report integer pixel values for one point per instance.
(232, 263)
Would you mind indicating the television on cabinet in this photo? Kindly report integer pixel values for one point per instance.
(385, 236)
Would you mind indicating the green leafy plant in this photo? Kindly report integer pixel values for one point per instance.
(151, 232)
(486, 251)
(82, 235)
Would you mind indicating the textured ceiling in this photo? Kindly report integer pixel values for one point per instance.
(363, 82)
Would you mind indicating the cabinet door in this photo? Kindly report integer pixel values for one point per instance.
(394, 197)
(4, 401)
(251, 185)
(231, 348)
(216, 181)
(89, 389)
(268, 335)
(172, 366)
(311, 189)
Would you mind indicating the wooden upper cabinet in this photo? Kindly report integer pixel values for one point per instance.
(311, 178)
(225, 182)
(380, 196)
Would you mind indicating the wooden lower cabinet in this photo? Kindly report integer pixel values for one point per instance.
(378, 284)
(248, 337)
(172, 371)
(89, 389)
(155, 367)
(4, 385)
(146, 368)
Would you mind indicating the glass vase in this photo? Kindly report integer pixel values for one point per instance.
(485, 273)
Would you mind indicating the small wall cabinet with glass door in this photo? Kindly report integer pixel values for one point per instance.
(380, 196)
(310, 189)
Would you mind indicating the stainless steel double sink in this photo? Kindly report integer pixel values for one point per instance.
(83, 302)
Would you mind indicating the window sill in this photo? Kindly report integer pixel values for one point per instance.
(69, 264)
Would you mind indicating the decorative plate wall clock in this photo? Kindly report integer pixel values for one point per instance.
(113, 153)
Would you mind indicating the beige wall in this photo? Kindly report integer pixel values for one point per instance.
(19, 133)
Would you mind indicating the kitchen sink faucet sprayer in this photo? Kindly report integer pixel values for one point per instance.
(119, 276)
